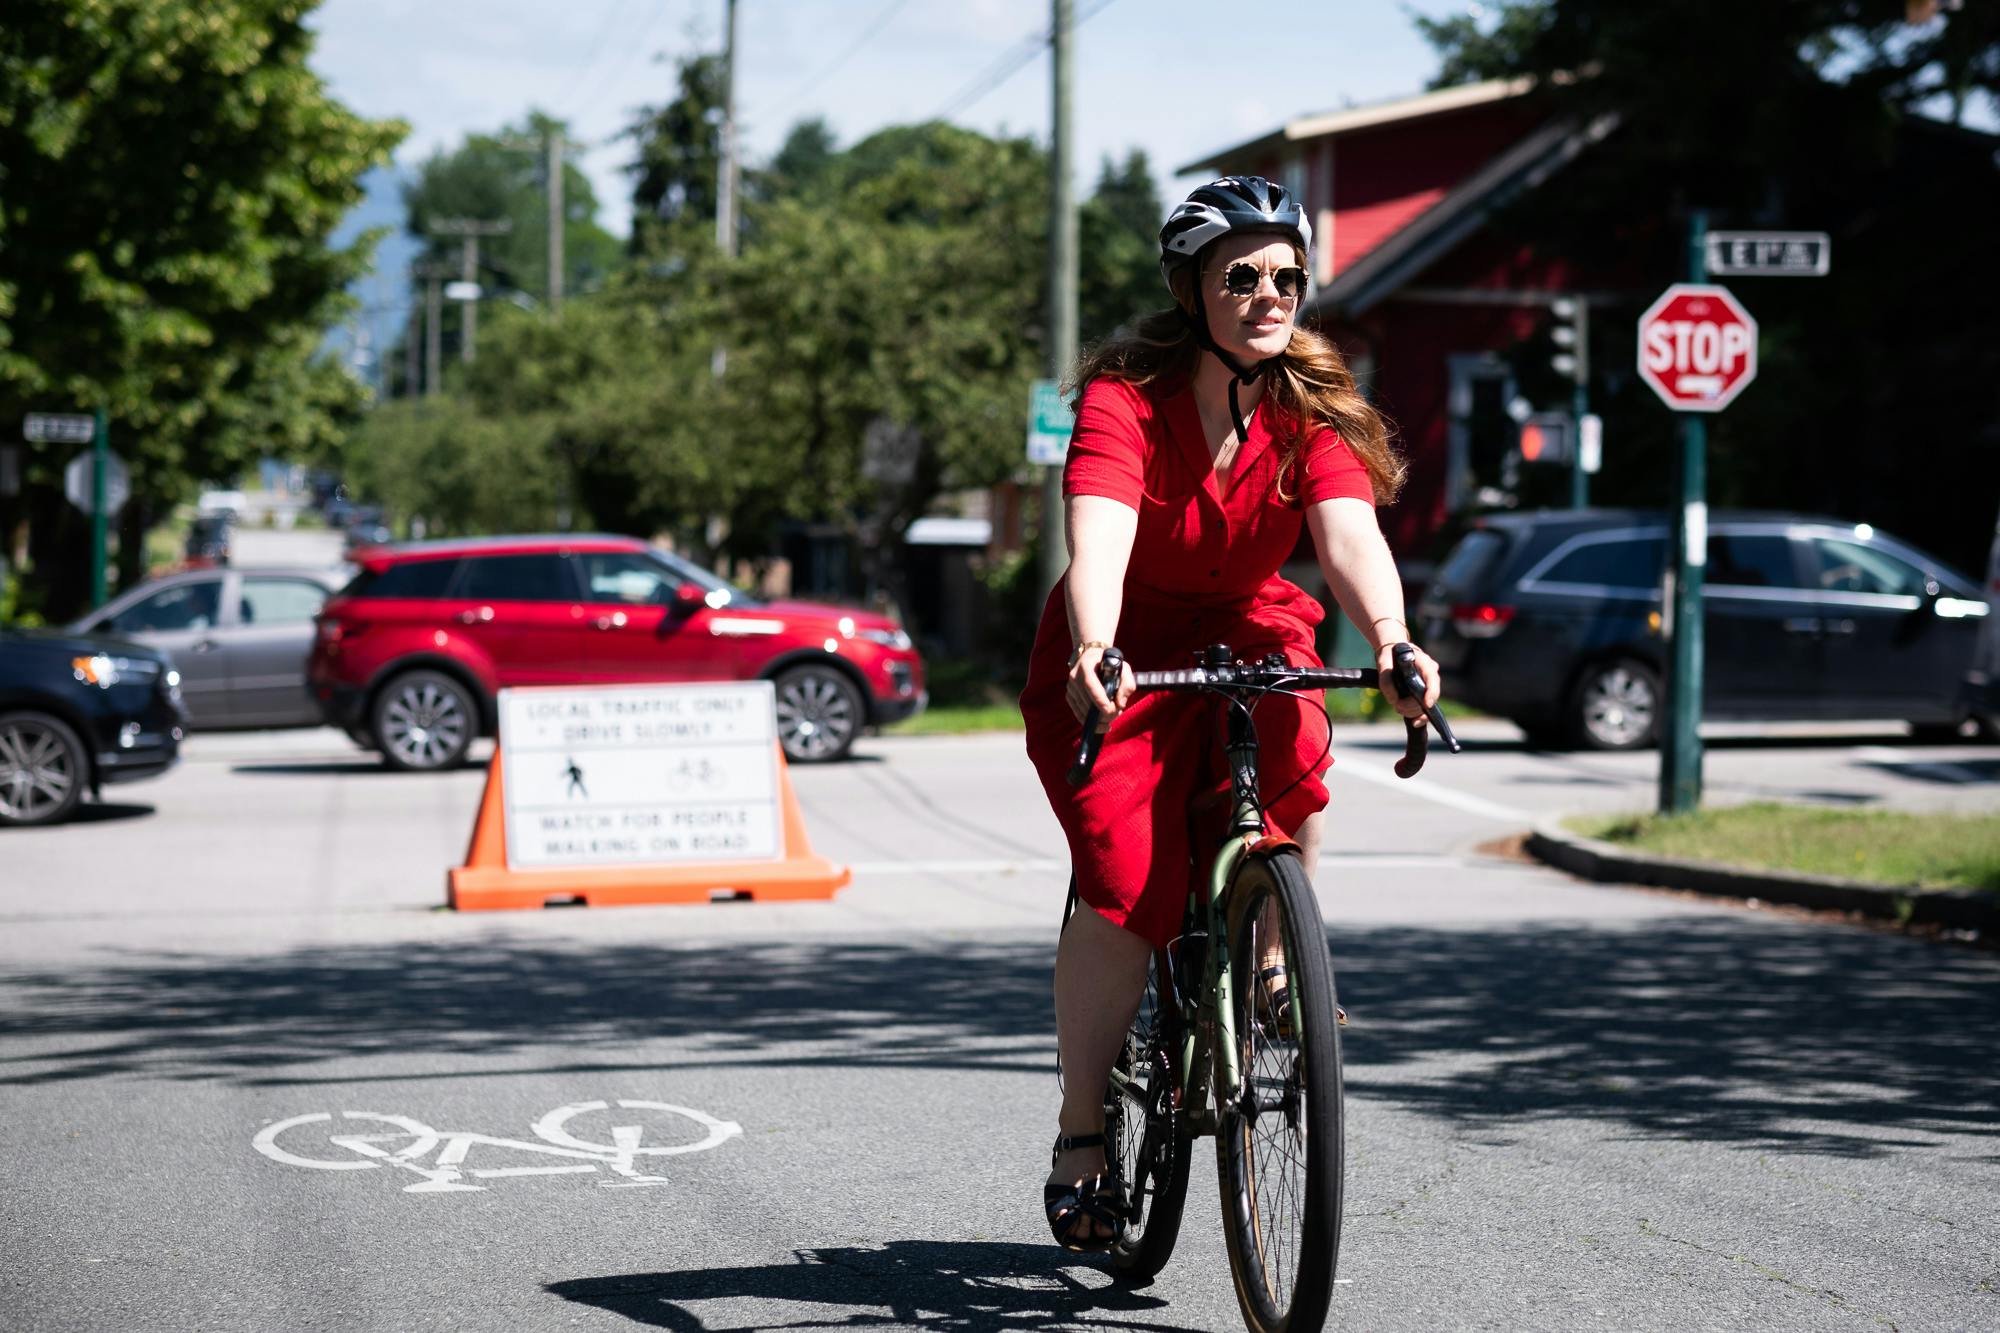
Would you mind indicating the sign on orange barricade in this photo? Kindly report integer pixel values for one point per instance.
(615, 795)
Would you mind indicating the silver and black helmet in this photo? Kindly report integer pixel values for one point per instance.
(1230, 204)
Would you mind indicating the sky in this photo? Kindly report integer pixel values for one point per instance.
(1173, 77)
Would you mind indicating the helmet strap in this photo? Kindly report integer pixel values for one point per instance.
(1197, 322)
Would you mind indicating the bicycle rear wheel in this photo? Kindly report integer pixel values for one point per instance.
(1143, 1130)
(1279, 1144)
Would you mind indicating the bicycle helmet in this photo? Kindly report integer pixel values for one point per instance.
(1230, 204)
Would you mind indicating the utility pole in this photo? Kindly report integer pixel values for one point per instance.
(469, 230)
(725, 182)
(1062, 272)
(411, 387)
(433, 277)
(552, 139)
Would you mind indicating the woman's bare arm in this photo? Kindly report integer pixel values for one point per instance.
(1362, 574)
(1101, 531)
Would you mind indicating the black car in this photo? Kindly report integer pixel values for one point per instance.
(1553, 620)
(78, 712)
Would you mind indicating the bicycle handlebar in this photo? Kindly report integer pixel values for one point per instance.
(1403, 674)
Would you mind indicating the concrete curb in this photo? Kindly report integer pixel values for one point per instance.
(1590, 859)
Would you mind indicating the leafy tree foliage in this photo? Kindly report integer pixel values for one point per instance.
(679, 154)
(171, 172)
(1118, 268)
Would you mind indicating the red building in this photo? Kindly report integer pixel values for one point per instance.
(1420, 294)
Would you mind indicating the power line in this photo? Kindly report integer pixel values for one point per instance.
(812, 85)
(637, 46)
(1010, 63)
(596, 50)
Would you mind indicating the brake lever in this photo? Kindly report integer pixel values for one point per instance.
(1409, 683)
(1110, 668)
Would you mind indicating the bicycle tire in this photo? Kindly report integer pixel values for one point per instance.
(1144, 1132)
(1279, 1148)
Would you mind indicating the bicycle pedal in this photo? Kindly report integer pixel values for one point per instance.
(1340, 1015)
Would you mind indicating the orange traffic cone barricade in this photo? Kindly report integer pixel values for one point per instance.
(491, 880)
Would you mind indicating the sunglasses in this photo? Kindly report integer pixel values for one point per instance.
(1242, 279)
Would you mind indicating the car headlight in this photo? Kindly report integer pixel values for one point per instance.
(888, 638)
(104, 670)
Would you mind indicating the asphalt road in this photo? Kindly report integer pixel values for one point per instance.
(252, 1077)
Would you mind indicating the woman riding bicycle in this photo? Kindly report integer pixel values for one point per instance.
(1204, 439)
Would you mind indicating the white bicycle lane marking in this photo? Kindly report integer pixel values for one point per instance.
(447, 1172)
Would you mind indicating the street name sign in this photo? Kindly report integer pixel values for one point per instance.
(1697, 347)
(58, 428)
(1768, 254)
(117, 482)
(641, 775)
(1049, 424)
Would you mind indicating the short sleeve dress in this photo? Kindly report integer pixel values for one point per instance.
(1204, 570)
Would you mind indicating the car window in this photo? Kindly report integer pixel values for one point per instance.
(1468, 563)
(1614, 562)
(620, 576)
(408, 578)
(185, 606)
(1851, 567)
(516, 578)
(279, 601)
(1736, 561)
(687, 571)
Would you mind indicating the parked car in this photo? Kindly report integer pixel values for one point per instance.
(239, 637)
(77, 712)
(411, 655)
(1552, 619)
(1982, 682)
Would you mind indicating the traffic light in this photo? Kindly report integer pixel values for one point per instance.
(1570, 335)
(1548, 437)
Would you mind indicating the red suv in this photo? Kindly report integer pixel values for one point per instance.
(410, 656)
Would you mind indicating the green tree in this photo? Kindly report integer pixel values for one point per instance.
(679, 154)
(1118, 230)
(171, 173)
(503, 177)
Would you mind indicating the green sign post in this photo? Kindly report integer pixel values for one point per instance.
(95, 430)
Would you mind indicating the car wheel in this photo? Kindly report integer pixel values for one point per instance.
(1616, 706)
(820, 712)
(43, 769)
(424, 721)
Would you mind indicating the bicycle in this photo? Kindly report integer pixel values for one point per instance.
(1269, 1053)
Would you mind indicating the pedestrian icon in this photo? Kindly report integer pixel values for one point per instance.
(575, 776)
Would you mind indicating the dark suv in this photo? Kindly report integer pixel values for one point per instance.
(410, 657)
(1552, 619)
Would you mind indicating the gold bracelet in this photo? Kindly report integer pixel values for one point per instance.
(1077, 653)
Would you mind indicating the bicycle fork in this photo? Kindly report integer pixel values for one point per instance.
(1246, 827)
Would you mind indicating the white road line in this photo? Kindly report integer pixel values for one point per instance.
(1430, 791)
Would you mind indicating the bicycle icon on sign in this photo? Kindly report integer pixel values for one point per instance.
(372, 1139)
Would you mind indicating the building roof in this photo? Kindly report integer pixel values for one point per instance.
(1396, 111)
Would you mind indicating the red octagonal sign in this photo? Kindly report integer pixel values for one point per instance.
(1697, 347)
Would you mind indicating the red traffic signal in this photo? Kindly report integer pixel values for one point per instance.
(1547, 437)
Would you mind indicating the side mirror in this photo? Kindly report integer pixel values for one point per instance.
(689, 598)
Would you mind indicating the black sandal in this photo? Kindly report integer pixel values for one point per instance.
(1098, 1199)
(1276, 1018)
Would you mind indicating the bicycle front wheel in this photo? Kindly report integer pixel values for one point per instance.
(1149, 1144)
(1278, 1146)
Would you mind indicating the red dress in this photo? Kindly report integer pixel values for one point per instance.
(1204, 570)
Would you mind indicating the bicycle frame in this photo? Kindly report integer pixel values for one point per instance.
(1208, 1045)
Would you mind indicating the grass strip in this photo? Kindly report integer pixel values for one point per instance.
(959, 720)
(1926, 851)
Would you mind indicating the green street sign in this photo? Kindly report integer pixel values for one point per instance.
(1049, 424)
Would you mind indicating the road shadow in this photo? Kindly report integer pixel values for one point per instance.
(970, 1286)
(320, 768)
(108, 812)
(1733, 1028)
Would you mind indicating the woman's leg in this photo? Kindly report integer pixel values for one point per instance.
(1100, 978)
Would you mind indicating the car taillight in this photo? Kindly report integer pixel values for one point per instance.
(333, 632)
(1480, 620)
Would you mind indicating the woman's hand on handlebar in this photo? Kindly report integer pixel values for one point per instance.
(1412, 709)
(1085, 694)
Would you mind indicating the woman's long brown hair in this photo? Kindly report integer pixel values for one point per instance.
(1308, 385)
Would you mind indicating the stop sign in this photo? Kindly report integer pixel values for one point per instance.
(1697, 347)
